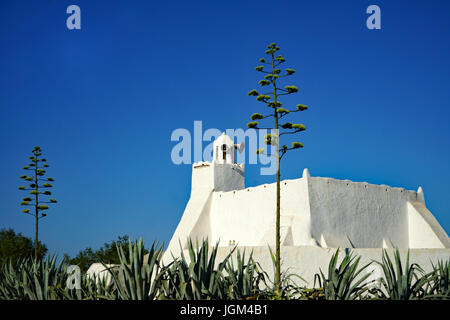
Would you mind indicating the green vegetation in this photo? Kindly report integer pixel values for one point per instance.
(196, 278)
(271, 98)
(402, 283)
(108, 254)
(201, 276)
(342, 283)
(439, 281)
(15, 247)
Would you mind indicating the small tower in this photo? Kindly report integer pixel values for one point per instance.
(223, 173)
(225, 150)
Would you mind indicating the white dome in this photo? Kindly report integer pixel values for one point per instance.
(223, 139)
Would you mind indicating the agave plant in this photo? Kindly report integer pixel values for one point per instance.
(243, 281)
(439, 281)
(198, 278)
(31, 279)
(401, 283)
(10, 275)
(344, 282)
(136, 280)
(287, 289)
(92, 288)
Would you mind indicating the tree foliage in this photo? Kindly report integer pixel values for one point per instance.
(107, 254)
(15, 246)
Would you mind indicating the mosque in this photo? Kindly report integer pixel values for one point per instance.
(318, 215)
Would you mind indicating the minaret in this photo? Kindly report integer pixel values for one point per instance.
(223, 173)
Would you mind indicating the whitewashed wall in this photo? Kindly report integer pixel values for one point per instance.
(315, 211)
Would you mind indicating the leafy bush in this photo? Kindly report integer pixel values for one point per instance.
(15, 246)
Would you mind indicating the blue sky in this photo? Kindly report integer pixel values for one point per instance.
(103, 101)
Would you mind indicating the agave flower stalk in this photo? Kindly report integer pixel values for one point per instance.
(38, 187)
(271, 98)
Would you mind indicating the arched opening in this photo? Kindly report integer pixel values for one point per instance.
(224, 151)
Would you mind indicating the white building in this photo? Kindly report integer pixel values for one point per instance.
(317, 215)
